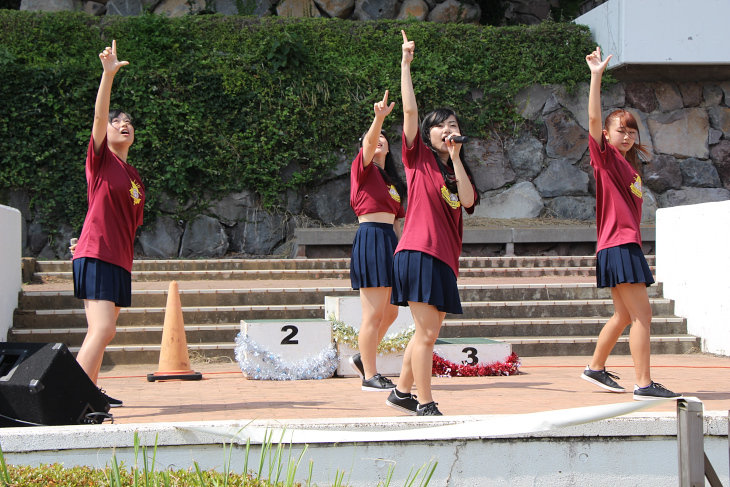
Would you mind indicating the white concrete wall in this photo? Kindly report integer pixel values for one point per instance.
(661, 31)
(693, 261)
(10, 267)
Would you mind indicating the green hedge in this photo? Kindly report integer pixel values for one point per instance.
(224, 103)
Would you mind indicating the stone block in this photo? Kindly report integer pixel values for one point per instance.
(575, 102)
(714, 137)
(204, 237)
(682, 133)
(572, 207)
(47, 5)
(551, 105)
(530, 101)
(162, 239)
(649, 207)
(454, 11)
(413, 9)
(94, 8)
(693, 196)
(613, 96)
(127, 8)
(566, 138)
(699, 174)
(668, 96)
(233, 207)
(488, 164)
(529, 12)
(720, 119)
(520, 201)
(720, 155)
(691, 94)
(712, 95)
(62, 240)
(37, 238)
(319, 205)
(641, 96)
(561, 178)
(259, 232)
(375, 9)
(336, 8)
(526, 156)
(662, 173)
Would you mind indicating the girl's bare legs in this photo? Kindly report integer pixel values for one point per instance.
(631, 304)
(377, 316)
(101, 317)
(418, 358)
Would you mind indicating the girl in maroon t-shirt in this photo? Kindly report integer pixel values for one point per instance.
(103, 256)
(620, 262)
(426, 261)
(377, 195)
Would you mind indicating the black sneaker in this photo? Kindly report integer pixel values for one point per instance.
(654, 391)
(377, 383)
(402, 401)
(356, 365)
(113, 403)
(602, 378)
(430, 409)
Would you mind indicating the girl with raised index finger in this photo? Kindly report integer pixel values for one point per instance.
(620, 263)
(377, 195)
(102, 262)
(426, 262)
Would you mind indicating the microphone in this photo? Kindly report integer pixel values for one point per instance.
(459, 139)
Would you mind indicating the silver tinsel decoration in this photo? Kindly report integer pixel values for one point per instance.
(258, 363)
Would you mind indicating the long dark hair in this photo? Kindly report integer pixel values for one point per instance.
(638, 151)
(432, 119)
(390, 174)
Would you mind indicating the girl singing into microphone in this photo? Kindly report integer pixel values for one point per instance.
(426, 262)
(377, 195)
(620, 263)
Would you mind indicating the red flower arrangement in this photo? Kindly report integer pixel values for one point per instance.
(444, 368)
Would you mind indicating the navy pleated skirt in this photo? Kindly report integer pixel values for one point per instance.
(371, 264)
(423, 278)
(97, 279)
(622, 264)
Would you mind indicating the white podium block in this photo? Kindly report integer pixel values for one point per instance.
(472, 351)
(348, 310)
(388, 364)
(292, 340)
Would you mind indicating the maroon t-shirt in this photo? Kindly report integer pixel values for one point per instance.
(369, 193)
(434, 223)
(618, 197)
(116, 203)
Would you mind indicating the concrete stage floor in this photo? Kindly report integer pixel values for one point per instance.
(546, 383)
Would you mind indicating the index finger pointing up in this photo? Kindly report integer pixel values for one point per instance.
(405, 39)
(385, 98)
(114, 47)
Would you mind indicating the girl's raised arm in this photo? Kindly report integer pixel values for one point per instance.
(370, 142)
(595, 124)
(101, 114)
(410, 109)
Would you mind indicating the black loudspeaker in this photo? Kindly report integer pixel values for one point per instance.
(42, 384)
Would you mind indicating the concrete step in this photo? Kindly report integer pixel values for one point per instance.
(539, 346)
(214, 265)
(286, 296)
(226, 332)
(523, 346)
(231, 314)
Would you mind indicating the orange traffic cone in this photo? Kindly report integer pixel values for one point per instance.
(174, 359)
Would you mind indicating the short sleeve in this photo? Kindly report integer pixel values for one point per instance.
(414, 154)
(598, 156)
(401, 212)
(470, 210)
(358, 169)
(94, 160)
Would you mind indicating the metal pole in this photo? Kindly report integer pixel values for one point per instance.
(690, 443)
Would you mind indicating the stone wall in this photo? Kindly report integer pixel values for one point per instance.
(468, 11)
(544, 170)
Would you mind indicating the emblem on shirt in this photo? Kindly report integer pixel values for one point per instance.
(393, 193)
(134, 192)
(636, 187)
(451, 198)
